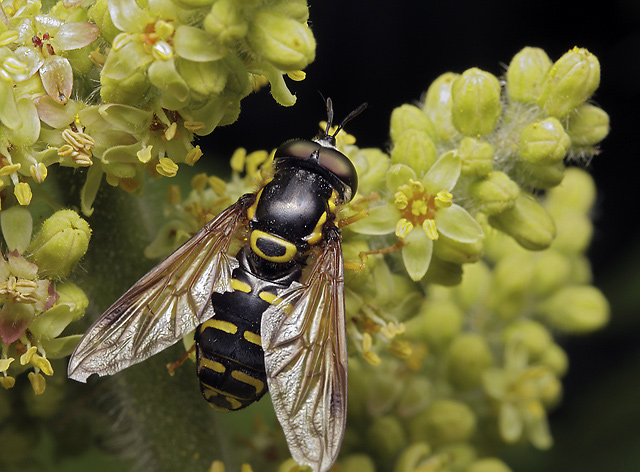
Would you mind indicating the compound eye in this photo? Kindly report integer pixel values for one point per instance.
(298, 148)
(340, 166)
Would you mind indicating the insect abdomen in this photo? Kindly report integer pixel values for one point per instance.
(230, 360)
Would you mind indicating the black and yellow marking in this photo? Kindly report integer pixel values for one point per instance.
(253, 338)
(240, 285)
(222, 325)
(277, 301)
(316, 235)
(251, 211)
(272, 248)
(240, 376)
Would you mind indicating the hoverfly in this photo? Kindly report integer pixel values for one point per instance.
(260, 322)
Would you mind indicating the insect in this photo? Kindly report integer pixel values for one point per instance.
(263, 319)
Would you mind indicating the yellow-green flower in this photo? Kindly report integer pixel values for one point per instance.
(421, 210)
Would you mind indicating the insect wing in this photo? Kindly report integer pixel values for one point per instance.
(164, 305)
(304, 340)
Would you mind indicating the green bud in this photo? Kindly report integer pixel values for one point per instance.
(205, 78)
(510, 285)
(437, 323)
(468, 357)
(357, 463)
(130, 91)
(60, 243)
(286, 43)
(574, 233)
(408, 117)
(358, 387)
(412, 457)
(296, 9)
(540, 175)
(527, 222)
(526, 73)
(16, 224)
(415, 149)
(588, 125)
(99, 14)
(437, 105)
(576, 309)
(444, 421)
(576, 193)
(569, 83)
(556, 359)
(476, 102)
(383, 394)
(386, 437)
(543, 142)
(372, 165)
(226, 21)
(450, 250)
(488, 464)
(474, 287)
(495, 193)
(443, 273)
(476, 156)
(552, 270)
(415, 396)
(535, 337)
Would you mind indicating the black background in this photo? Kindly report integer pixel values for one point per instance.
(388, 53)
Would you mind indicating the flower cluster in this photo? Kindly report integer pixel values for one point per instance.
(36, 303)
(169, 71)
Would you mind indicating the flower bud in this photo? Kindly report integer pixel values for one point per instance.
(526, 73)
(286, 43)
(534, 336)
(443, 273)
(488, 464)
(437, 105)
(495, 193)
(540, 175)
(527, 222)
(569, 83)
(357, 463)
(408, 117)
(415, 395)
(576, 193)
(510, 285)
(588, 125)
(226, 21)
(476, 103)
(129, 90)
(451, 250)
(437, 323)
(576, 309)
(205, 78)
(474, 287)
(543, 142)
(552, 271)
(556, 359)
(476, 156)
(99, 14)
(412, 457)
(468, 357)
(444, 421)
(386, 437)
(574, 233)
(60, 244)
(415, 149)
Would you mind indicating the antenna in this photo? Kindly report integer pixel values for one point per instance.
(348, 118)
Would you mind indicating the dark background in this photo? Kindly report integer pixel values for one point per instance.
(387, 54)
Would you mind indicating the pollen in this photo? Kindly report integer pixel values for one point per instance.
(78, 147)
(418, 208)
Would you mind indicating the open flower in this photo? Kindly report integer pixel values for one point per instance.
(420, 211)
(44, 39)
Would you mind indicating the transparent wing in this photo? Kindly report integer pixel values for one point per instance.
(306, 361)
(164, 305)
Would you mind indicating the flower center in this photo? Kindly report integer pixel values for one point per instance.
(415, 204)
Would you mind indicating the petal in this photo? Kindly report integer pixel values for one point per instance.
(382, 219)
(28, 133)
(90, 189)
(20, 267)
(399, 174)
(76, 35)
(17, 225)
(279, 90)
(128, 16)
(163, 74)
(123, 62)
(9, 115)
(510, 423)
(416, 253)
(444, 174)
(455, 223)
(60, 347)
(197, 45)
(54, 114)
(31, 59)
(57, 78)
(14, 321)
